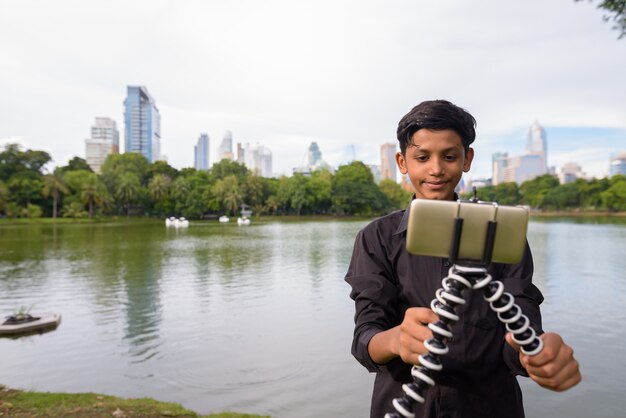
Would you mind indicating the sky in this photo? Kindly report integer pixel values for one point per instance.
(284, 73)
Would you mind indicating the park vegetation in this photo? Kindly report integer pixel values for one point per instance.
(129, 185)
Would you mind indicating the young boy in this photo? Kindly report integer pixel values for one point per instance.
(392, 290)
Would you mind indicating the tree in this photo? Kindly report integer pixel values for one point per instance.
(24, 189)
(354, 191)
(614, 198)
(93, 194)
(74, 210)
(54, 186)
(28, 163)
(4, 195)
(319, 191)
(227, 168)
(535, 191)
(397, 196)
(615, 11)
(159, 187)
(128, 190)
(74, 164)
(226, 192)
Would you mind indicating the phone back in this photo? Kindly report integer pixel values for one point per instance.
(430, 230)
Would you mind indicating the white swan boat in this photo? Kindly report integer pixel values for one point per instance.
(21, 324)
(243, 221)
(223, 219)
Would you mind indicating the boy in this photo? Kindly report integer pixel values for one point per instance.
(392, 290)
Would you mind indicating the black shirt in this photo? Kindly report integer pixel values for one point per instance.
(478, 376)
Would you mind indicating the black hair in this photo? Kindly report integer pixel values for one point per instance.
(436, 115)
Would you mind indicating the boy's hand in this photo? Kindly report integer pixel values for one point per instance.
(413, 331)
(555, 367)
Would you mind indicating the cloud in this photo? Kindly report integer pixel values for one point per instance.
(286, 73)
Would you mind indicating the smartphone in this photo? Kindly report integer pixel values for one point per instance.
(431, 229)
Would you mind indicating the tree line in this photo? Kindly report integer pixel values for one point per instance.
(546, 193)
(129, 185)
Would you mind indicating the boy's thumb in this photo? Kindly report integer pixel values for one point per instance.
(509, 339)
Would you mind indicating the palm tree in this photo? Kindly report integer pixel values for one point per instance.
(93, 194)
(159, 187)
(227, 192)
(54, 186)
(127, 190)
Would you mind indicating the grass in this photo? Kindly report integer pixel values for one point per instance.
(23, 404)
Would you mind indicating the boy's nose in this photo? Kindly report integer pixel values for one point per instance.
(435, 168)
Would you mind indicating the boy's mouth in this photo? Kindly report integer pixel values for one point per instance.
(435, 185)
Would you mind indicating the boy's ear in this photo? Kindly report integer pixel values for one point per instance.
(401, 162)
(469, 156)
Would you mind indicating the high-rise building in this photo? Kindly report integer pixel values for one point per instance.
(142, 124)
(388, 161)
(314, 156)
(201, 153)
(499, 162)
(105, 140)
(618, 164)
(225, 150)
(537, 145)
(258, 159)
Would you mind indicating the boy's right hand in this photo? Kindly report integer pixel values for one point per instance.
(412, 333)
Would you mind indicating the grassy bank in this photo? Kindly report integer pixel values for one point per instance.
(21, 404)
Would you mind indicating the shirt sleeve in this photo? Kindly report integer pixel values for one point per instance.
(374, 292)
(517, 280)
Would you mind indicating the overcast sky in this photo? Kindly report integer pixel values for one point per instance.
(341, 73)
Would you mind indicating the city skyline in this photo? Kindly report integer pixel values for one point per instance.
(290, 74)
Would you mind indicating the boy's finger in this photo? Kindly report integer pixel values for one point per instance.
(509, 339)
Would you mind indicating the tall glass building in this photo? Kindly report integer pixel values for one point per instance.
(201, 153)
(142, 124)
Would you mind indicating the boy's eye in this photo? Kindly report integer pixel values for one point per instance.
(422, 158)
(450, 157)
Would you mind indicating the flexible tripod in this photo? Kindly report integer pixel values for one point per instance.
(463, 275)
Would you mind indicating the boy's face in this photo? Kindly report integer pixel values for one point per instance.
(435, 162)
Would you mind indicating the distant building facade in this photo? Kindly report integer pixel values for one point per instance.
(375, 169)
(105, 140)
(525, 167)
(142, 124)
(388, 161)
(258, 159)
(570, 172)
(618, 164)
(201, 153)
(225, 150)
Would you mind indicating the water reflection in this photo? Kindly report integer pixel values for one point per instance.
(257, 319)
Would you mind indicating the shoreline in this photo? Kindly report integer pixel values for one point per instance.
(21, 403)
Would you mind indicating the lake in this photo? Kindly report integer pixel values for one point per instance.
(258, 319)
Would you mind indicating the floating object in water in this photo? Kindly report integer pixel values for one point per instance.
(176, 223)
(224, 219)
(26, 323)
(243, 221)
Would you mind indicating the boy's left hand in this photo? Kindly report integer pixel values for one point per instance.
(555, 367)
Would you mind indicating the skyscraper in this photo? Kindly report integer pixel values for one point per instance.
(258, 159)
(105, 140)
(225, 150)
(314, 156)
(618, 164)
(142, 124)
(537, 145)
(201, 153)
(388, 161)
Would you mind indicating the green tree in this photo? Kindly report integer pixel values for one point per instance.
(73, 210)
(75, 164)
(54, 186)
(32, 211)
(226, 191)
(319, 190)
(159, 187)
(397, 196)
(615, 11)
(24, 189)
(508, 194)
(4, 196)
(614, 198)
(127, 190)
(354, 191)
(94, 193)
(117, 165)
(534, 191)
(27, 163)
(227, 168)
